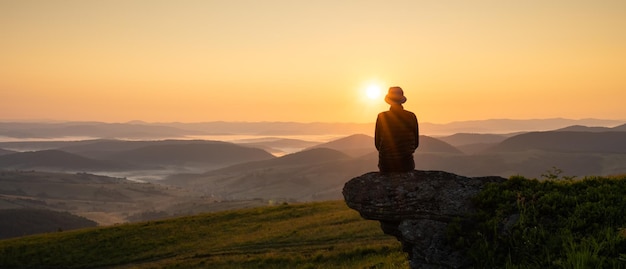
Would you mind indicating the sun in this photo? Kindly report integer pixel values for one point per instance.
(373, 92)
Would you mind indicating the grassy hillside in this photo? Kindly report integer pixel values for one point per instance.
(24, 221)
(556, 223)
(314, 235)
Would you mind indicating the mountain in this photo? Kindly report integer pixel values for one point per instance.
(506, 126)
(353, 145)
(143, 130)
(21, 222)
(581, 128)
(473, 143)
(429, 144)
(360, 144)
(58, 160)
(314, 174)
(597, 142)
(461, 139)
(5, 152)
(621, 128)
(276, 145)
(106, 200)
(90, 129)
(204, 153)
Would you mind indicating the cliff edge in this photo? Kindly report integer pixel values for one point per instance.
(416, 207)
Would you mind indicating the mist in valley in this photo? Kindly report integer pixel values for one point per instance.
(115, 179)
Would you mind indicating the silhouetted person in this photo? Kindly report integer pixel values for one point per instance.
(397, 135)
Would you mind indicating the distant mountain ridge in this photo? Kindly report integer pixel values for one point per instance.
(115, 155)
(360, 144)
(57, 160)
(581, 128)
(142, 130)
(559, 141)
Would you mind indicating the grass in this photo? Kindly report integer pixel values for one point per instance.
(311, 235)
(559, 223)
(522, 223)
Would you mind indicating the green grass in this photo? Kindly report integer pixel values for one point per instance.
(560, 223)
(311, 235)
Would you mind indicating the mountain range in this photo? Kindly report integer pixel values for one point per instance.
(193, 175)
(143, 130)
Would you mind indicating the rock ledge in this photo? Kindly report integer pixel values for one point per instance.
(416, 207)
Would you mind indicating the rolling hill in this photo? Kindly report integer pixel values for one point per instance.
(275, 145)
(5, 152)
(581, 128)
(596, 142)
(360, 144)
(461, 139)
(27, 221)
(57, 160)
(210, 154)
(103, 199)
(90, 129)
(313, 235)
(314, 174)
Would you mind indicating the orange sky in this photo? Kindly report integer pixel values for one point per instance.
(310, 61)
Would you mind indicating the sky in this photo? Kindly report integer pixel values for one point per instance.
(310, 61)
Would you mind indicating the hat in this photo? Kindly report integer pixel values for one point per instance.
(395, 96)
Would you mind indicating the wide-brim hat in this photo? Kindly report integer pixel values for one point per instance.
(395, 96)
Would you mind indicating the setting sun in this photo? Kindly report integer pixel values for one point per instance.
(373, 92)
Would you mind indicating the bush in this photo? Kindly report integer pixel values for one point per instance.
(527, 223)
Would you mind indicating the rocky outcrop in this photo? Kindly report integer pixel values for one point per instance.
(416, 207)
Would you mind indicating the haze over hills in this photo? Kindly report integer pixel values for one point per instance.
(4, 151)
(315, 174)
(57, 160)
(142, 130)
(117, 155)
(195, 175)
(559, 141)
(580, 128)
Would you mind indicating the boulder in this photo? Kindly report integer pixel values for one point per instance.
(416, 207)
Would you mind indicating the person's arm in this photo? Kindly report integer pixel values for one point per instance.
(417, 134)
(377, 136)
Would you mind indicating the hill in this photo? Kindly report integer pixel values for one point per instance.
(275, 145)
(521, 223)
(596, 142)
(360, 144)
(473, 143)
(581, 128)
(314, 235)
(461, 139)
(5, 152)
(316, 174)
(20, 222)
(353, 145)
(57, 160)
(143, 130)
(103, 199)
(90, 129)
(206, 153)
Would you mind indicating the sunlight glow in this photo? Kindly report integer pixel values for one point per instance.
(373, 92)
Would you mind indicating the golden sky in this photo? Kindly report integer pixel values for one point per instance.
(310, 61)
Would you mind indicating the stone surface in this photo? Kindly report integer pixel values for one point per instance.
(416, 207)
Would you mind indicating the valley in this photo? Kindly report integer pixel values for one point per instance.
(113, 180)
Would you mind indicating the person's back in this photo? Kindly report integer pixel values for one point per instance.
(397, 135)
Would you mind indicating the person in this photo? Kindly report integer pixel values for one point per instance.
(397, 135)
